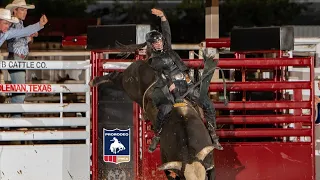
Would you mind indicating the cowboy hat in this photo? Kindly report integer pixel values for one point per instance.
(5, 14)
(19, 3)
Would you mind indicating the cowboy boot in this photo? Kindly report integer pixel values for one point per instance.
(214, 137)
(163, 113)
(154, 142)
(157, 129)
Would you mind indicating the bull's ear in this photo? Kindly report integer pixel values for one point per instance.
(204, 152)
(171, 165)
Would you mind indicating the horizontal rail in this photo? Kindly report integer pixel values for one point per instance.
(260, 132)
(306, 40)
(69, 98)
(54, 53)
(225, 42)
(263, 119)
(263, 105)
(252, 62)
(303, 69)
(223, 62)
(44, 107)
(50, 65)
(75, 41)
(43, 122)
(218, 43)
(260, 85)
(44, 88)
(43, 135)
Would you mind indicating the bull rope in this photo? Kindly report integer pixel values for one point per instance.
(224, 86)
(144, 95)
(224, 90)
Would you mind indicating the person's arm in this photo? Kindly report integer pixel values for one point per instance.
(166, 31)
(165, 27)
(27, 31)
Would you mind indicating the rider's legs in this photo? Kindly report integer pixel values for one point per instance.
(164, 106)
(209, 114)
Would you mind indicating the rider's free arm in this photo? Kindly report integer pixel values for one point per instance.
(166, 31)
(165, 28)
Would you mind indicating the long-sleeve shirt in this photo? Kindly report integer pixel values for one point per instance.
(17, 33)
(18, 45)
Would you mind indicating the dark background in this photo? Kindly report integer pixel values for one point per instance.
(186, 17)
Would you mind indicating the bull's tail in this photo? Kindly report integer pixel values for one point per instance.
(114, 78)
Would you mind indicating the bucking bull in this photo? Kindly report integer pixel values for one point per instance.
(186, 146)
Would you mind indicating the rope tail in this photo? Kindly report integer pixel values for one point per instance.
(144, 95)
(224, 87)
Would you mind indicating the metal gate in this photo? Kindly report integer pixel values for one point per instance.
(263, 138)
(267, 139)
(264, 131)
(51, 141)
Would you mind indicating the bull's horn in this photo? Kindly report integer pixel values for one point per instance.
(204, 152)
(171, 165)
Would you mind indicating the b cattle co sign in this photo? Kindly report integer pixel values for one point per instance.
(23, 65)
(25, 88)
(26, 64)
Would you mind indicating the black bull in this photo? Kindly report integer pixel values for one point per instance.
(185, 145)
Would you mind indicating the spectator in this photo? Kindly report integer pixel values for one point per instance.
(6, 20)
(18, 48)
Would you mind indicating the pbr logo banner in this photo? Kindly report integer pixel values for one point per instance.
(116, 146)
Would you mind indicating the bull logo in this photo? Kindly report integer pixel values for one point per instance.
(116, 146)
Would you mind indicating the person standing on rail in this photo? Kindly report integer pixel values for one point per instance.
(18, 48)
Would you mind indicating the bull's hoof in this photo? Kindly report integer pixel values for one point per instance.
(217, 145)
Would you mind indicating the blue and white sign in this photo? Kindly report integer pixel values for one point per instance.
(116, 145)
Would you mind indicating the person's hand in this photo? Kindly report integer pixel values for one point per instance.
(29, 39)
(34, 34)
(172, 87)
(43, 20)
(157, 12)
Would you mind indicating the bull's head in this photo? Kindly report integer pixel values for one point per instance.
(193, 171)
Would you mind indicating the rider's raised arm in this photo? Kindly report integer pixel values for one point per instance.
(166, 32)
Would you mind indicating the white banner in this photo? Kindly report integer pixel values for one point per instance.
(44, 88)
(26, 64)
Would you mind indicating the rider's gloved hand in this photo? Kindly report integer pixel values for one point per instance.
(179, 100)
